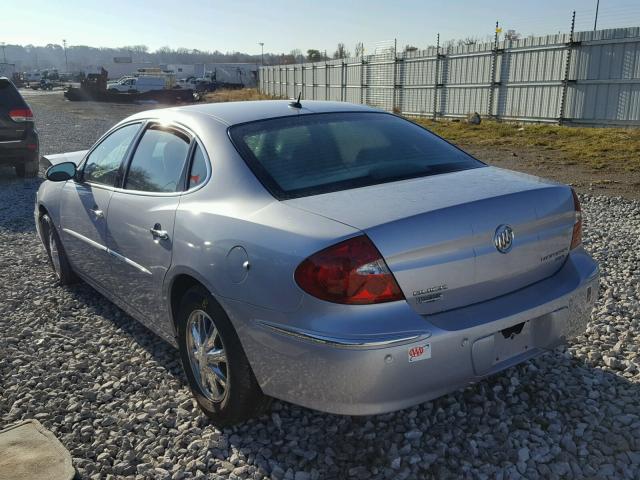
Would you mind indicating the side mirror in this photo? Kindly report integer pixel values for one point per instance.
(61, 172)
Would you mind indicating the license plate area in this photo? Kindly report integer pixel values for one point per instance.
(512, 341)
(501, 346)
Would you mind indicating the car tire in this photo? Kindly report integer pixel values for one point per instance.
(236, 397)
(55, 251)
(28, 169)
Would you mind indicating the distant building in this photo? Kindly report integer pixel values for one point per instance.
(119, 69)
(181, 70)
(7, 69)
(243, 73)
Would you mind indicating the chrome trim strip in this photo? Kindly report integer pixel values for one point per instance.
(85, 239)
(101, 247)
(390, 340)
(593, 275)
(11, 141)
(128, 261)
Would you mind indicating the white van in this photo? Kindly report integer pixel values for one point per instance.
(33, 77)
(137, 84)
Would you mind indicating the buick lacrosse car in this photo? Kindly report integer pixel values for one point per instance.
(326, 254)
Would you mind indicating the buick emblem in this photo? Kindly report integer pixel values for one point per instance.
(503, 238)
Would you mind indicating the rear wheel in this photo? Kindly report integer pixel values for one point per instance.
(55, 250)
(28, 169)
(214, 361)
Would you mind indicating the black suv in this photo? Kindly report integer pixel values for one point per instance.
(18, 135)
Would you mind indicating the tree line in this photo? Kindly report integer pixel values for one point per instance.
(77, 58)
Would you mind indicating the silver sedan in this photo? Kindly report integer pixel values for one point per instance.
(327, 254)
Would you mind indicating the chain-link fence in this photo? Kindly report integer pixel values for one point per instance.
(584, 77)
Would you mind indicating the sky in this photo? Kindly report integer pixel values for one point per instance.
(284, 25)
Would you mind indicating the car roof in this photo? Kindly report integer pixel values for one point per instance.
(232, 113)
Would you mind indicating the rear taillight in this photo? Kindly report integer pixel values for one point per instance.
(351, 272)
(576, 239)
(21, 115)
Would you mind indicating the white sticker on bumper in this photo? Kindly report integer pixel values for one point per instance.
(421, 352)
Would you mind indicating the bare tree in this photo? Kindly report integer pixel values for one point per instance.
(512, 35)
(410, 48)
(296, 53)
(341, 51)
(359, 50)
(136, 48)
(468, 41)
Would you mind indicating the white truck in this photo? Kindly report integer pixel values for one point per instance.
(137, 84)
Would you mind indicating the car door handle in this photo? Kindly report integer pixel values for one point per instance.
(158, 233)
(97, 212)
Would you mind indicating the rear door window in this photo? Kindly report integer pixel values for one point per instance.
(159, 161)
(198, 173)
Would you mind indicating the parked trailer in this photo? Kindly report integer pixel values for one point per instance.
(94, 88)
(161, 96)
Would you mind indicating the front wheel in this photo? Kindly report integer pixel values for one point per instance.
(214, 361)
(55, 250)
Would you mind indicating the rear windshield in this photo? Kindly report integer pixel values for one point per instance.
(312, 154)
(9, 95)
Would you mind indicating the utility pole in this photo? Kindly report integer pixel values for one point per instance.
(4, 54)
(492, 75)
(66, 61)
(262, 53)
(595, 22)
(567, 67)
(436, 79)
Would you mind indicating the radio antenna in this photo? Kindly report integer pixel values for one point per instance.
(296, 103)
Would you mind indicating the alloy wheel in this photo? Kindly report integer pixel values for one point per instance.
(207, 355)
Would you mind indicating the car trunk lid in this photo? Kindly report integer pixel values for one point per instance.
(437, 234)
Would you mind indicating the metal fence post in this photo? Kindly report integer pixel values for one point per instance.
(343, 81)
(395, 73)
(492, 75)
(567, 67)
(436, 77)
(326, 81)
(362, 84)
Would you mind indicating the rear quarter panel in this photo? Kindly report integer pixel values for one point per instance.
(234, 210)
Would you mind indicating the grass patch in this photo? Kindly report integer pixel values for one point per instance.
(597, 148)
(241, 95)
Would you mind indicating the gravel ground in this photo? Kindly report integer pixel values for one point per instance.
(116, 397)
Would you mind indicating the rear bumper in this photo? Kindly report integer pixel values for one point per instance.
(370, 372)
(24, 150)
